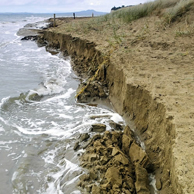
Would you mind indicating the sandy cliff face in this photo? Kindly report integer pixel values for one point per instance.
(81, 51)
(149, 81)
(151, 122)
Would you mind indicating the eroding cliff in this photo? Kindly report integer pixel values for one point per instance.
(141, 83)
(85, 58)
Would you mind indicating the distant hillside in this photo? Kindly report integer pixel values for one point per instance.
(85, 13)
(89, 12)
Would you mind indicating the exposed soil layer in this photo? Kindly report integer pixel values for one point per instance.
(148, 77)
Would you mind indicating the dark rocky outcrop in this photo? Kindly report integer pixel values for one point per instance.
(32, 38)
(98, 128)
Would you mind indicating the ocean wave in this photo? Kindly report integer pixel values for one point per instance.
(51, 89)
(4, 44)
(54, 132)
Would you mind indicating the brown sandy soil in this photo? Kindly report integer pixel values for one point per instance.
(150, 78)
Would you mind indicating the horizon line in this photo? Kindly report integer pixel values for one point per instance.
(51, 12)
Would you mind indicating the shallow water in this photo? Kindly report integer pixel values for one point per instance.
(37, 135)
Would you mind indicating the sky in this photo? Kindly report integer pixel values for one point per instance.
(62, 6)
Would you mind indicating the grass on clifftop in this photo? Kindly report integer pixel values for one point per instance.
(118, 28)
(167, 10)
(170, 9)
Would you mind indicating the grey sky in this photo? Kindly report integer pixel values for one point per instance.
(45, 6)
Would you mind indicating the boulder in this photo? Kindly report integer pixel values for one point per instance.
(99, 128)
(95, 189)
(115, 151)
(126, 191)
(128, 132)
(129, 183)
(141, 184)
(116, 137)
(92, 140)
(158, 184)
(138, 155)
(76, 146)
(32, 38)
(126, 142)
(121, 159)
(113, 176)
(90, 90)
(104, 160)
(90, 157)
(84, 137)
(116, 126)
(93, 175)
(35, 97)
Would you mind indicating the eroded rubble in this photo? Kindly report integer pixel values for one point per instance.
(116, 163)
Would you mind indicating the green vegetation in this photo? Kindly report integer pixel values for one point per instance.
(167, 10)
(187, 31)
(170, 9)
(117, 29)
(178, 10)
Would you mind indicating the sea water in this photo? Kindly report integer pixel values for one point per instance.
(37, 135)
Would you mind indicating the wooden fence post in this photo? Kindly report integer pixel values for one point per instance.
(54, 21)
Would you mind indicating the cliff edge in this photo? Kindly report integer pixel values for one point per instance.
(146, 69)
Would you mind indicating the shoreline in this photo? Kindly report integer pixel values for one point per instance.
(151, 107)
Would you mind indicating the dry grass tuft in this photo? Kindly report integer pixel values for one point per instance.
(178, 10)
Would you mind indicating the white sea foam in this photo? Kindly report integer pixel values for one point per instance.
(16, 40)
(117, 118)
(54, 131)
(104, 117)
(34, 50)
(4, 100)
(16, 158)
(34, 19)
(1, 129)
(25, 65)
(76, 192)
(21, 58)
(65, 174)
(7, 32)
(50, 155)
(142, 144)
(42, 25)
(66, 116)
(54, 81)
(7, 142)
(66, 95)
(12, 154)
(14, 176)
(4, 44)
(152, 180)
